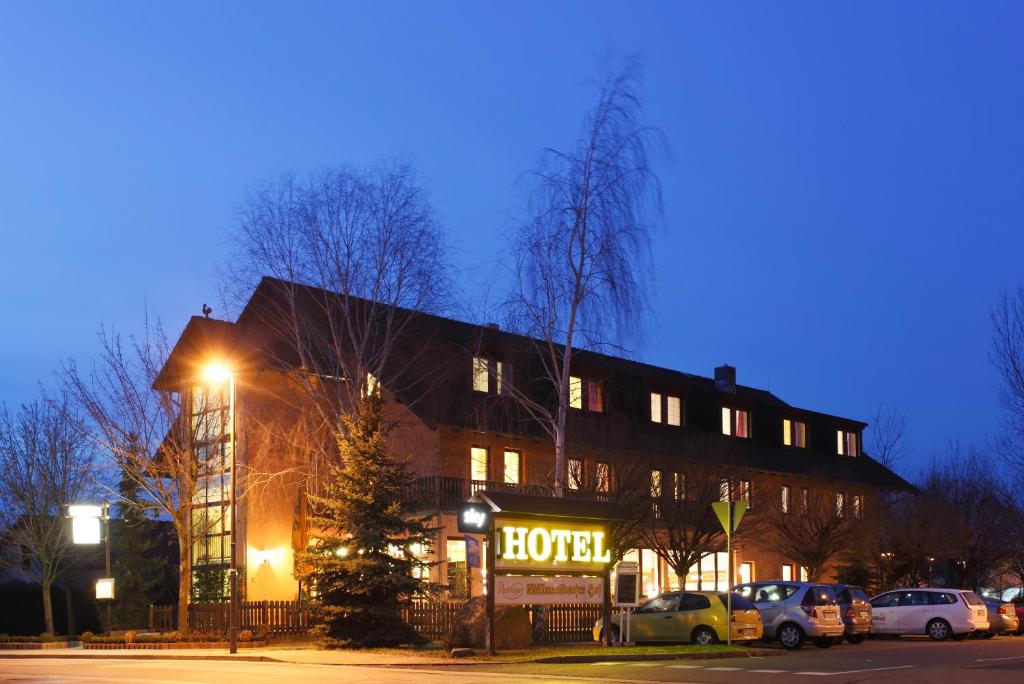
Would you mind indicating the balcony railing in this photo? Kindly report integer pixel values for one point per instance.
(442, 493)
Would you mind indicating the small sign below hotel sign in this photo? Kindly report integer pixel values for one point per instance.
(473, 518)
(550, 545)
(514, 590)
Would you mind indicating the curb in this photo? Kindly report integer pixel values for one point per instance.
(636, 657)
(142, 656)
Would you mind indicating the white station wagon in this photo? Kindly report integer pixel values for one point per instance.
(939, 613)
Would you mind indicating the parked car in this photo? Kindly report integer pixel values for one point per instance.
(1002, 618)
(855, 611)
(939, 613)
(688, 616)
(795, 611)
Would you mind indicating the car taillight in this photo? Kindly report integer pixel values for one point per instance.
(850, 614)
(1006, 609)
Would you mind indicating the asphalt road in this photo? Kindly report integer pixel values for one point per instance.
(903, 660)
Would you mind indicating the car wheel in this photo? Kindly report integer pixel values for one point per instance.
(704, 636)
(938, 630)
(824, 642)
(855, 638)
(790, 636)
(960, 637)
(988, 635)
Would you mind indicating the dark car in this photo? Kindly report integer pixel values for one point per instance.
(855, 610)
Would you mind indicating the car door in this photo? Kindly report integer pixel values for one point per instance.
(914, 610)
(884, 615)
(689, 614)
(653, 620)
(770, 601)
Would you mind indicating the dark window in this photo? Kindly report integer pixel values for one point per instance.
(819, 596)
(913, 598)
(885, 600)
(971, 598)
(738, 602)
(941, 598)
(851, 594)
(693, 602)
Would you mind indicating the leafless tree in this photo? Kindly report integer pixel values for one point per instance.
(581, 259)
(45, 465)
(143, 430)
(813, 532)
(348, 252)
(887, 435)
(1008, 356)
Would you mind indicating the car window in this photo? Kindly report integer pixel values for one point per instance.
(857, 593)
(693, 602)
(819, 596)
(971, 598)
(767, 593)
(660, 604)
(885, 600)
(738, 602)
(941, 598)
(913, 598)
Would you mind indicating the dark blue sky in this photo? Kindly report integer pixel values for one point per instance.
(843, 204)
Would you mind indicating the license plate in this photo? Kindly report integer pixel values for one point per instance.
(864, 613)
(750, 630)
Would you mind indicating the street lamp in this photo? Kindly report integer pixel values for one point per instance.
(215, 374)
(85, 529)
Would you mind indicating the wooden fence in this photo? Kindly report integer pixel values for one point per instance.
(431, 618)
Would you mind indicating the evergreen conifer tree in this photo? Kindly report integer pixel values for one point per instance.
(361, 564)
(138, 568)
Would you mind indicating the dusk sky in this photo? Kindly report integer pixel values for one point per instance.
(843, 202)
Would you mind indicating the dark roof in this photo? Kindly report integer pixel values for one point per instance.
(202, 338)
(512, 503)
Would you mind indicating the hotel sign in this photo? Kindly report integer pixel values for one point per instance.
(513, 590)
(526, 545)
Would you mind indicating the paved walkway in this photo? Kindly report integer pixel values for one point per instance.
(310, 656)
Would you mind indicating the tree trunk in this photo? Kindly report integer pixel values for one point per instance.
(69, 609)
(47, 607)
(184, 583)
(560, 470)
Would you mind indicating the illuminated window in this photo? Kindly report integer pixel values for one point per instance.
(803, 574)
(746, 572)
(785, 499)
(674, 411)
(858, 506)
(846, 443)
(655, 407)
(603, 477)
(595, 397)
(501, 376)
(210, 509)
(575, 392)
(680, 486)
(478, 466)
(723, 490)
(840, 504)
(656, 484)
(787, 572)
(575, 473)
(481, 374)
(735, 422)
(794, 433)
(513, 465)
(805, 501)
(743, 491)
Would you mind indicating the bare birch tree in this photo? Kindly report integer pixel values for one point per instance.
(45, 465)
(581, 259)
(143, 431)
(1008, 357)
(887, 435)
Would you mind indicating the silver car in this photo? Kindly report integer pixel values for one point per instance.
(1002, 618)
(795, 611)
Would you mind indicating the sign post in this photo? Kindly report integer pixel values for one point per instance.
(729, 513)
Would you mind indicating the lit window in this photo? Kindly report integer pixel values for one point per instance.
(840, 504)
(575, 392)
(480, 374)
(656, 484)
(735, 422)
(655, 407)
(595, 397)
(803, 574)
(746, 572)
(744, 492)
(787, 573)
(858, 506)
(680, 486)
(723, 490)
(794, 433)
(478, 464)
(674, 413)
(513, 464)
(846, 443)
(805, 501)
(501, 376)
(603, 478)
(785, 499)
(575, 473)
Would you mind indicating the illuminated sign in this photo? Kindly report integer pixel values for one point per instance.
(529, 544)
(473, 518)
(510, 590)
(105, 589)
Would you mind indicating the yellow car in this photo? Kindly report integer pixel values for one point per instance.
(688, 616)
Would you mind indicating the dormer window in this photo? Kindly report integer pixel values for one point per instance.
(491, 376)
(735, 422)
(584, 393)
(847, 443)
(794, 433)
(667, 409)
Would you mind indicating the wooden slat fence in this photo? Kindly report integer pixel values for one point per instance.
(432, 618)
(279, 617)
(564, 624)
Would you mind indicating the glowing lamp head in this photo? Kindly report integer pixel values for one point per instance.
(216, 373)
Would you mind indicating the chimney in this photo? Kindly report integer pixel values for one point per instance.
(494, 326)
(725, 379)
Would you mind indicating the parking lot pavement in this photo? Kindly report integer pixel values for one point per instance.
(908, 659)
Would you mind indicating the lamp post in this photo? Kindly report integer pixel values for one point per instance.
(218, 373)
(85, 529)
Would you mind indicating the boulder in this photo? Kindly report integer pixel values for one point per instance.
(512, 626)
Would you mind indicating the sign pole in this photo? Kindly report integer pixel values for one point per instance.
(728, 584)
(490, 584)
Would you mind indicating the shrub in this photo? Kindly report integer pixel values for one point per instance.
(46, 637)
(245, 635)
(129, 637)
(262, 632)
(87, 636)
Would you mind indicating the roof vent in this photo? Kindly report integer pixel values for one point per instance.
(725, 379)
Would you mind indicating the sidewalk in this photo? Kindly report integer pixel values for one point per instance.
(400, 657)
